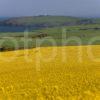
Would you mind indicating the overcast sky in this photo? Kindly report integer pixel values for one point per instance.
(88, 8)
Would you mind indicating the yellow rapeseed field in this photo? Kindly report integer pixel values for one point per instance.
(51, 73)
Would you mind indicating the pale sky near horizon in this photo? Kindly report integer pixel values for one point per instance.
(81, 8)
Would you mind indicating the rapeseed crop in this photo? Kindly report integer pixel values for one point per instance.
(51, 73)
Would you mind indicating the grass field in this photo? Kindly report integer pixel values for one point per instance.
(41, 78)
(84, 32)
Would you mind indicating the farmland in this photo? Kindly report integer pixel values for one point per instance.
(83, 32)
(41, 78)
(46, 29)
(50, 58)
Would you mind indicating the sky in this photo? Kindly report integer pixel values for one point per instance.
(79, 8)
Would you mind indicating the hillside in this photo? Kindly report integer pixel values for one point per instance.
(39, 20)
(48, 21)
(44, 27)
(20, 24)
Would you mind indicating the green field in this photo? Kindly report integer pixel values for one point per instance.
(46, 35)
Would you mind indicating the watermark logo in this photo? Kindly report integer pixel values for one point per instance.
(65, 40)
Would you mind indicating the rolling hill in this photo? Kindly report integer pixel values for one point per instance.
(44, 27)
(38, 22)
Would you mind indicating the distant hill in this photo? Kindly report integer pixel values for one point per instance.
(49, 21)
(38, 22)
(42, 21)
